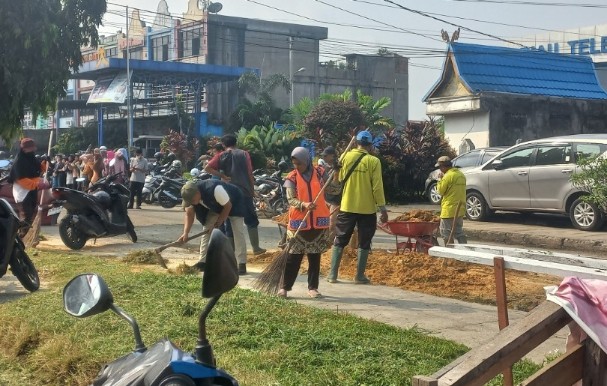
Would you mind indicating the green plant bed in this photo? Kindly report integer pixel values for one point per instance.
(261, 340)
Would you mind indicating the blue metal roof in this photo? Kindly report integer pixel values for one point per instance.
(525, 71)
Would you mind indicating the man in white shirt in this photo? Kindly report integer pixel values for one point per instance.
(212, 202)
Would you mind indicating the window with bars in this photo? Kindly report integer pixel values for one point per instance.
(190, 43)
(160, 48)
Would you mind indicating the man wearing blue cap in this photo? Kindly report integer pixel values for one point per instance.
(363, 195)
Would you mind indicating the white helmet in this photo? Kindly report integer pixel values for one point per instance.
(176, 164)
(194, 172)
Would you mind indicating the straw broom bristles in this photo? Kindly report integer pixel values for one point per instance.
(32, 237)
(269, 280)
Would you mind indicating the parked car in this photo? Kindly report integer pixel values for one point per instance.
(535, 176)
(464, 161)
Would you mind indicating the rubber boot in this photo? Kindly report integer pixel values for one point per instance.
(361, 265)
(254, 238)
(336, 253)
(462, 240)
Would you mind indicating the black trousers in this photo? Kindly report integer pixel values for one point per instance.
(29, 206)
(346, 222)
(292, 269)
(136, 191)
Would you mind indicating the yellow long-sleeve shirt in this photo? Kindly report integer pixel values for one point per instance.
(363, 193)
(452, 188)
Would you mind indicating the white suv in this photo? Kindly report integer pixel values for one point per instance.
(535, 176)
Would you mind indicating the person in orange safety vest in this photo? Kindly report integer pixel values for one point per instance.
(303, 185)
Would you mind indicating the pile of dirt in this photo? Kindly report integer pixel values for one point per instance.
(264, 258)
(419, 215)
(281, 218)
(443, 277)
(143, 257)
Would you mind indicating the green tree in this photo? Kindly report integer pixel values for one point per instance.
(181, 145)
(332, 122)
(257, 106)
(592, 177)
(40, 43)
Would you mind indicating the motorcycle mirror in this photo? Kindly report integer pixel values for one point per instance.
(220, 271)
(86, 295)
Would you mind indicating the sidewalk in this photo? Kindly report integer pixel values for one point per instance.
(468, 323)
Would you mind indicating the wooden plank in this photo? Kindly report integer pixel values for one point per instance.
(564, 371)
(595, 364)
(520, 264)
(502, 307)
(424, 381)
(483, 363)
(537, 254)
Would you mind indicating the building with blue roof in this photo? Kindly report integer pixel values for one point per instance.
(494, 96)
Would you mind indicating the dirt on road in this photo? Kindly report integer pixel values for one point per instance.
(437, 276)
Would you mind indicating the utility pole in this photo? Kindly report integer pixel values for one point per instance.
(129, 109)
(291, 100)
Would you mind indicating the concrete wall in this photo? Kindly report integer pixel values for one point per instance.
(504, 119)
(473, 126)
(265, 45)
(528, 118)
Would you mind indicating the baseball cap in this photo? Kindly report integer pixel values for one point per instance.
(27, 144)
(443, 160)
(328, 150)
(365, 137)
(188, 191)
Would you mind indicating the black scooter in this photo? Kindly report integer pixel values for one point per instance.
(101, 212)
(162, 364)
(169, 191)
(12, 249)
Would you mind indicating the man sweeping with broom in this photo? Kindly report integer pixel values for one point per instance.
(363, 194)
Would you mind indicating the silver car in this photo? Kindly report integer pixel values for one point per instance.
(463, 162)
(535, 176)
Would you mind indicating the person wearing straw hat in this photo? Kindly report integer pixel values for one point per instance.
(363, 195)
(211, 202)
(452, 188)
(302, 185)
(25, 177)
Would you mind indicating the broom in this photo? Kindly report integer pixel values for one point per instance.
(32, 237)
(172, 244)
(269, 279)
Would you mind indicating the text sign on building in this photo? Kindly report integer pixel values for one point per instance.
(591, 41)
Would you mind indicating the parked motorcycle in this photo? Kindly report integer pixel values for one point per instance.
(271, 198)
(99, 212)
(12, 249)
(162, 364)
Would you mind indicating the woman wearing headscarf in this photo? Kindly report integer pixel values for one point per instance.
(303, 185)
(118, 165)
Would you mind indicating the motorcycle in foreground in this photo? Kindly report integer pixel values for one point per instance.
(12, 249)
(162, 364)
(102, 213)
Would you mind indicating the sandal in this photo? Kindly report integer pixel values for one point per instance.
(314, 294)
(282, 294)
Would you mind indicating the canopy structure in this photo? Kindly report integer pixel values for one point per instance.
(157, 88)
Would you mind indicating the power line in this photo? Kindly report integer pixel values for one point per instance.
(453, 24)
(514, 2)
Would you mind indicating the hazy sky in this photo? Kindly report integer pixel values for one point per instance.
(380, 24)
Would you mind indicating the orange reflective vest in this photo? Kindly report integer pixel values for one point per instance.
(307, 192)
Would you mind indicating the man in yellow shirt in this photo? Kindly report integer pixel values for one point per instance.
(452, 188)
(363, 194)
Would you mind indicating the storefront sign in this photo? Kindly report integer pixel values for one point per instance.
(109, 90)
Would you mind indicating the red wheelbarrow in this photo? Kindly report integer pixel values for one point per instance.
(420, 235)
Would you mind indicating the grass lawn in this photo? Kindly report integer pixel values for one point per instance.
(260, 340)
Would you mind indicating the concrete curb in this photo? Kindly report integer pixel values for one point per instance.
(536, 241)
